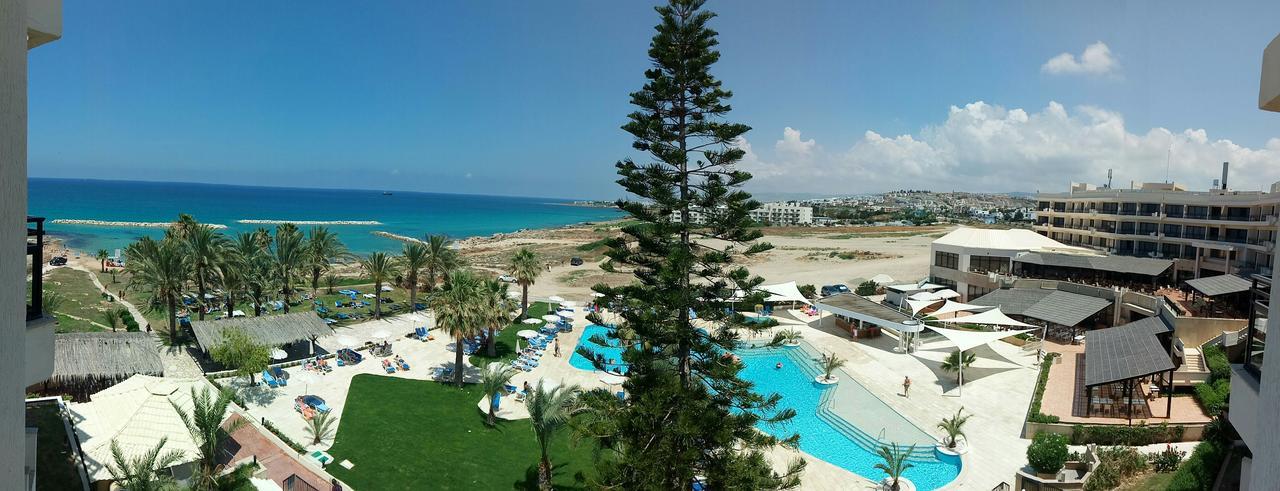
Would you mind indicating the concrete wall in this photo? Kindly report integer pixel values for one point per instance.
(13, 210)
(39, 350)
(1195, 331)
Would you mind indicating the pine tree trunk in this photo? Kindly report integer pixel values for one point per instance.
(315, 280)
(173, 320)
(457, 364)
(377, 300)
(200, 301)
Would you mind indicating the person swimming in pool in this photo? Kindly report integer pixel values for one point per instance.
(778, 366)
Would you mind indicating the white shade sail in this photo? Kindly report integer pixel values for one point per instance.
(965, 339)
(952, 307)
(781, 292)
(918, 305)
(993, 317)
(946, 293)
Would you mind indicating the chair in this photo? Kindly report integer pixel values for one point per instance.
(280, 375)
(269, 380)
(386, 365)
(404, 365)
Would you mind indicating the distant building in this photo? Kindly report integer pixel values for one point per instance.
(1205, 233)
(784, 214)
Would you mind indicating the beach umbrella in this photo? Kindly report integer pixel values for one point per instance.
(531, 320)
(528, 334)
(612, 379)
(551, 318)
(345, 341)
(568, 303)
(306, 377)
(381, 334)
(556, 298)
(278, 354)
(565, 313)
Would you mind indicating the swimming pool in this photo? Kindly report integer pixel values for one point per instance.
(610, 350)
(834, 438)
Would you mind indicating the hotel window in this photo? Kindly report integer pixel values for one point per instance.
(949, 260)
(1191, 232)
(987, 264)
(1170, 250)
(977, 291)
(944, 282)
(1172, 230)
(1200, 212)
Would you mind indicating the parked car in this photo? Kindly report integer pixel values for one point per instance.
(837, 289)
(58, 261)
(507, 278)
(577, 261)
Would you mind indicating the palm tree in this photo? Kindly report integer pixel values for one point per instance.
(954, 426)
(953, 364)
(380, 267)
(525, 267)
(232, 274)
(322, 248)
(457, 312)
(441, 259)
(161, 267)
(258, 273)
(494, 380)
(320, 428)
(289, 256)
(549, 410)
(894, 462)
(414, 258)
(102, 256)
(787, 337)
(330, 281)
(831, 363)
(111, 318)
(144, 472)
(495, 311)
(204, 247)
(204, 422)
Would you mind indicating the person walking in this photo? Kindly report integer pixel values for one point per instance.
(557, 352)
(906, 387)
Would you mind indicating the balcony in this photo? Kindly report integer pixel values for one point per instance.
(35, 250)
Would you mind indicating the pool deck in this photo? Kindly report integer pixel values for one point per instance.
(997, 392)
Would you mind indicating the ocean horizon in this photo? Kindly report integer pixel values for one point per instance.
(242, 208)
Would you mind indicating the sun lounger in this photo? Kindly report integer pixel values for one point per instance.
(280, 375)
(386, 365)
(496, 400)
(268, 379)
(404, 365)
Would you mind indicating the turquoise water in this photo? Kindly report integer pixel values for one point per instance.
(825, 435)
(402, 213)
(610, 350)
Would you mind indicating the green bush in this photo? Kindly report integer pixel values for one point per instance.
(1213, 395)
(1201, 469)
(866, 288)
(1216, 359)
(130, 324)
(1115, 464)
(809, 291)
(1137, 435)
(1048, 452)
(1167, 460)
(1035, 415)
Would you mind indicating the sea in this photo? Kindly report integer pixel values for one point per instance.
(409, 214)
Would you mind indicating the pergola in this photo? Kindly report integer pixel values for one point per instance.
(1122, 355)
(1228, 287)
(860, 311)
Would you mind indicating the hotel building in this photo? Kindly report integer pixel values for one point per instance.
(26, 336)
(1205, 233)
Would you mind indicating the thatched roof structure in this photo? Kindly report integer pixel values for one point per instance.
(81, 357)
(271, 330)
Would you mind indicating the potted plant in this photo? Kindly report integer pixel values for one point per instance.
(954, 428)
(1047, 454)
(894, 465)
(830, 363)
(787, 337)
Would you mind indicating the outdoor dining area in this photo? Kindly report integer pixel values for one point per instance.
(1124, 368)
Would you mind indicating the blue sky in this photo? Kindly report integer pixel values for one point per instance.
(526, 98)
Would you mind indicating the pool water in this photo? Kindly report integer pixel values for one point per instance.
(610, 350)
(828, 436)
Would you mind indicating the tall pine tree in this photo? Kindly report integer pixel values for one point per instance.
(689, 415)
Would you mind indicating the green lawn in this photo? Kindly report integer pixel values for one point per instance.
(416, 434)
(82, 303)
(506, 344)
(55, 467)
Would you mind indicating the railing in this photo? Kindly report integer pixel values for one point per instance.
(35, 249)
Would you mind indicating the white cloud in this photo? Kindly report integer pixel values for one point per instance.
(1095, 60)
(984, 147)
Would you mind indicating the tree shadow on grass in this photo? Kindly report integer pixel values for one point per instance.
(530, 481)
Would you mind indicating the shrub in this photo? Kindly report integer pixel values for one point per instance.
(130, 324)
(866, 288)
(1200, 470)
(1167, 460)
(1137, 435)
(1047, 453)
(1216, 359)
(1035, 416)
(292, 444)
(1213, 395)
(809, 291)
(1114, 465)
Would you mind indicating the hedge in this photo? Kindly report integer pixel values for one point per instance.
(1213, 394)
(1137, 435)
(292, 444)
(1201, 469)
(1216, 359)
(1035, 415)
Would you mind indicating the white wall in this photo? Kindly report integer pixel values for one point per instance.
(13, 210)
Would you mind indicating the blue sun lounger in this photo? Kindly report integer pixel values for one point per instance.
(269, 379)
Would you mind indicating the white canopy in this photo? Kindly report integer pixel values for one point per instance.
(918, 305)
(965, 339)
(781, 292)
(993, 317)
(952, 307)
(946, 293)
(942, 294)
(137, 413)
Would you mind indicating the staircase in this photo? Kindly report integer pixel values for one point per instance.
(1192, 370)
(1191, 361)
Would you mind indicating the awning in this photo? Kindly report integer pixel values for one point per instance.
(993, 317)
(965, 339)
(1056, 306)
(1125, 352)
(952, 307)
(857, 307)
(1213, 286)
(945, 293)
